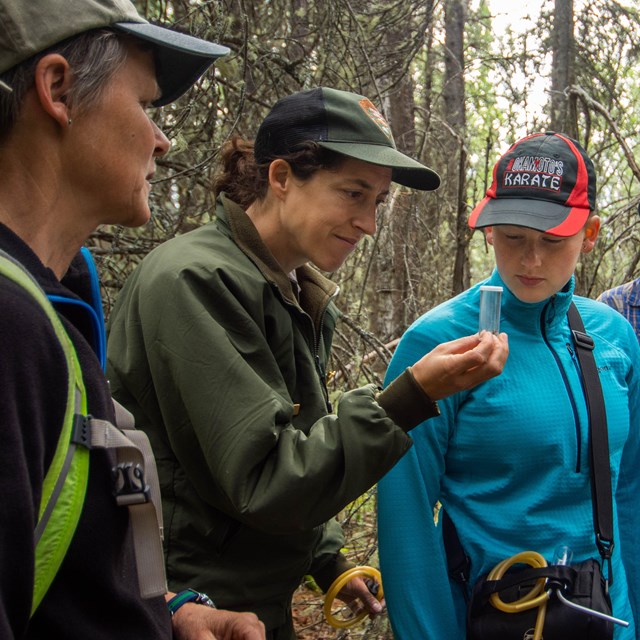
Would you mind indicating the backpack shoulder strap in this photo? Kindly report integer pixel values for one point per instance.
(66, 479)
(136, 486)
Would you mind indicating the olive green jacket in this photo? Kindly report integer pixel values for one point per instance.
(224, 368)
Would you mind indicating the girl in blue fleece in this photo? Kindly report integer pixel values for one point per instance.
(509, 459)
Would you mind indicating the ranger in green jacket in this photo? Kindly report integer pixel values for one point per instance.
(219, 343)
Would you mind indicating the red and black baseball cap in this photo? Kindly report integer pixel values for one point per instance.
(343, 122)
(546, 181)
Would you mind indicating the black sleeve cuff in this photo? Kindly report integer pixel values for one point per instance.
(331, 570)
(406, 403)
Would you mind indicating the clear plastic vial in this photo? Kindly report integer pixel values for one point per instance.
(490, 297)
(562, 555)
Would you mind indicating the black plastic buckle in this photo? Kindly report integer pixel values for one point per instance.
(583, 340)
(81, 431)
(605, 547)
(129, 485)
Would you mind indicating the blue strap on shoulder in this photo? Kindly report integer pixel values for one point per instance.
(93, 308)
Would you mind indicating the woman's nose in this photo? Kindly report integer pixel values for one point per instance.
(366, 222)
(163, 144)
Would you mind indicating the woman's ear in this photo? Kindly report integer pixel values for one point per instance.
(488, 234)
(52, 83)
(591, 231)
(280, 175)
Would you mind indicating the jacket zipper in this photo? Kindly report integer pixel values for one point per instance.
(317, 335)
(572, 400)
(315, 341)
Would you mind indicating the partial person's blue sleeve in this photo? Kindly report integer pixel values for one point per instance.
(419, 597)
(628, 490)
(610, 298)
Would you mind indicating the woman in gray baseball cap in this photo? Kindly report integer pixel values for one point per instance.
(78, 149)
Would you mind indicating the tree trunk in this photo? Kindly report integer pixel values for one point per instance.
(454, 101)
(391, 267)
(563, 118)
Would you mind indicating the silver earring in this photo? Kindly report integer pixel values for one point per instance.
(69, 121)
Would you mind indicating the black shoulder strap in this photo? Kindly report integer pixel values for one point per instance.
(598, 439)
(458, 562)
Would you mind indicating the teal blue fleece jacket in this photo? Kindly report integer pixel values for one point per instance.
(508, 459)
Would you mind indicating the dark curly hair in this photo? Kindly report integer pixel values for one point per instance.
(245, 181)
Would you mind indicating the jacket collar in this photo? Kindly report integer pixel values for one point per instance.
(312, 283)
(634, 293)
(76, 297)
(22, 252)
(529, 315)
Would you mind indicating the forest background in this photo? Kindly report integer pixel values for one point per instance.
(457, 91)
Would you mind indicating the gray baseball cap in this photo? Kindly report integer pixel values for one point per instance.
(28, 27)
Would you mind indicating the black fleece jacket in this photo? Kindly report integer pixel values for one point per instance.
(95, 593)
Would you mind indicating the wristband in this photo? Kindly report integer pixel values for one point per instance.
(189, 595)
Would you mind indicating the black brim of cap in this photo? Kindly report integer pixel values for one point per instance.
(541, 215)
(180, 58)
(404, 170)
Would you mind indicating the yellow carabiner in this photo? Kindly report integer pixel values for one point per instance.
(335, 588)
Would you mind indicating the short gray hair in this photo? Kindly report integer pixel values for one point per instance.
(94, 56)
